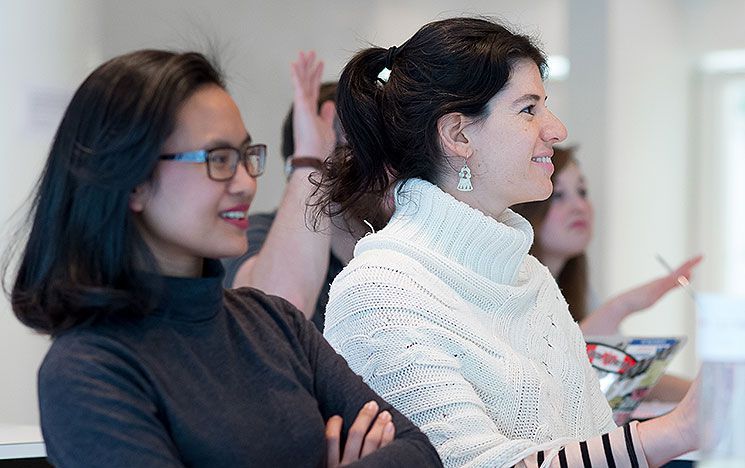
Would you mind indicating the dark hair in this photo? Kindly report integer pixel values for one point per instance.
(84, 258)
(452, 65)
(572, 279)
(326, 93)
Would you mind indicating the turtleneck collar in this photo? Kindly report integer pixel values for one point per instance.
(192, 299)
(427, 217)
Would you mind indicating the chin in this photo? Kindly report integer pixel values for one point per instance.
(230, 249)
(537, 197)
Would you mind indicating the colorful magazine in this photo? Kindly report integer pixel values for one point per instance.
(628, 368)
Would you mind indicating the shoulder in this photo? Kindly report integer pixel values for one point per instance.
(85, 359)
(261, 221)
(383, 288)
(389, 276)
(264, 310)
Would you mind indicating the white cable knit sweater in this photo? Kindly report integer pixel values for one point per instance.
(448, 318)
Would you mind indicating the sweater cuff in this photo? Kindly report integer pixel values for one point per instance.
(628, 446)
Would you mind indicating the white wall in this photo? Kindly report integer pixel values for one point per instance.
(47, 49)
(647, 167)
(632, 91)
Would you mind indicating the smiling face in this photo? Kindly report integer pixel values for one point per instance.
(567, 228)
(182, 214)
(509, 152)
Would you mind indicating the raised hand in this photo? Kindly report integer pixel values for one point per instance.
(313, 131)
(606, 319)
(362, 439)
(647, 294)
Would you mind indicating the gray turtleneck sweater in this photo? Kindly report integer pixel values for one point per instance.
(212, 378)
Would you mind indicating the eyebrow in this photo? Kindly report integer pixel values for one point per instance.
(226, 144)
(528, 98)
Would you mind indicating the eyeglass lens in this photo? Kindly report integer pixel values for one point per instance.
(223, 162)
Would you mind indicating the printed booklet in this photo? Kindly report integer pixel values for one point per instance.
(628, 367)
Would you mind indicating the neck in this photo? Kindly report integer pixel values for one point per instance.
(181, 268)
(493, 208)
(554, 263)
(343, 242)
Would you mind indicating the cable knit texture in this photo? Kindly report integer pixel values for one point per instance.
(447, 317)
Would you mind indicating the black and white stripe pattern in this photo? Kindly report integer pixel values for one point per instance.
(617, 449)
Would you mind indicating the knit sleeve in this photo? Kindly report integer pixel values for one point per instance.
(394, 330)
(340, 391)
(618, 448)
(96, 410)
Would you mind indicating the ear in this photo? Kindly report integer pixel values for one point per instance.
(139, 197)
(454, 142)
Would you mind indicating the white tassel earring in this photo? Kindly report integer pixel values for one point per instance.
(464, 183)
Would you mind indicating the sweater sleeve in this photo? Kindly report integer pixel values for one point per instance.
(389, 329)
(618, 448)
(96, 411)
(342, 392)
(424, 381)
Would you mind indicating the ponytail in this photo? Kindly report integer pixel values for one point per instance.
(452, 65)
(361, 167)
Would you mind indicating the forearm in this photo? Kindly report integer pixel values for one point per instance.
(665, 438)
(293, 260)
(669, 388)
(620, 448)
(342, 392)
(410, 446)
(605, 319)
(412, 451)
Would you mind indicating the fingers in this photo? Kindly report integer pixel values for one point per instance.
(389, 433)
(315, 81)
(357, 432)
(306, 74)
(333, 439)
(687, 268)
(376, 434)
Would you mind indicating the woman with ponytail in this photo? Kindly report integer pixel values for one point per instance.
(443, 311)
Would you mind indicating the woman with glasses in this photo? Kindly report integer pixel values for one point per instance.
(147, 184)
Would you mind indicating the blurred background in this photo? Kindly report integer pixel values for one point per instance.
(652, 91)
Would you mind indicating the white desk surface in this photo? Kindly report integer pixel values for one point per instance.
(18, 441)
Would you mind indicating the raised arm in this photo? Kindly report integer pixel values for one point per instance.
(606, 319)
(293, 261)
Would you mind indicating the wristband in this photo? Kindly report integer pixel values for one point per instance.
(295, 162)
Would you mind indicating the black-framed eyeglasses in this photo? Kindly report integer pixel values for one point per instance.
(222, 162)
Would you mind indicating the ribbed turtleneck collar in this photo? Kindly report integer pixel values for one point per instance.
(426, 217)
(192, 299)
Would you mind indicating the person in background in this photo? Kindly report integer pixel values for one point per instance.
(148, 183)
(443, 311)
(563, 227)
(288, 254)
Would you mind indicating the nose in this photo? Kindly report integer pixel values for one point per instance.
(554, 130)
(242, 184)
(580, 203)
